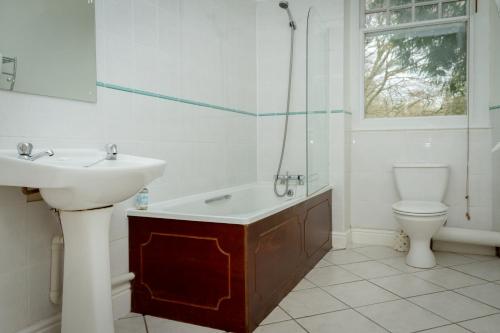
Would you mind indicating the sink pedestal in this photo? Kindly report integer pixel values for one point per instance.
(87, 306)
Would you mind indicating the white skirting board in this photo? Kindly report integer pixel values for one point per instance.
(48, 325)
(386, 238)
(373, 236)
(341, 240)
(121, 307)
(439, 245)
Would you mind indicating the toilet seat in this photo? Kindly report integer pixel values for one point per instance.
(420, 208)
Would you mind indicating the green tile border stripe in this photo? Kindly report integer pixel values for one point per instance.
(207, 105)
(171, 98)
(303, 113)
(495, 107)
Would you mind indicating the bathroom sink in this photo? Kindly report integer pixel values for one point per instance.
(79, 179)
(83, 185)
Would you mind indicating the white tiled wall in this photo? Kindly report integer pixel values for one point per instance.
(376, 148)
(202, 50)
(373, 187)
(273, 45)
(495, 113)
(495, 119)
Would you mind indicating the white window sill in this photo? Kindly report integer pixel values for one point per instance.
(418, 123)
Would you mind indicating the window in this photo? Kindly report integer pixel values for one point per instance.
(415, 58)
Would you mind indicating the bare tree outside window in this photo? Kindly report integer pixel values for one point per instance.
(415, 71)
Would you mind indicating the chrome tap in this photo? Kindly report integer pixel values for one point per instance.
(24, 150)
(111, 154)
(111, 151)
(299, 179)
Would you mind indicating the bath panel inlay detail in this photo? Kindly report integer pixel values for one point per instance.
(214, 243)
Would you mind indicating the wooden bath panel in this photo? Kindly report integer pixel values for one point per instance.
(225, 276)
(276, 256)
(317, 231)
(185, 261)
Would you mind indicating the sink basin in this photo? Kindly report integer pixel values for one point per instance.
(70, 180)
(83, 186)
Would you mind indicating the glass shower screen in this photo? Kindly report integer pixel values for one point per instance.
(317, 115)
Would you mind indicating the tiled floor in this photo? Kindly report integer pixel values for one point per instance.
(370, 289)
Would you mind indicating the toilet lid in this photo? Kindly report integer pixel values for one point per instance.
(420, 207)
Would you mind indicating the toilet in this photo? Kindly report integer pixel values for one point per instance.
(420, 212)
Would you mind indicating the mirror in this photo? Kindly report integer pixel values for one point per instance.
(47, 48)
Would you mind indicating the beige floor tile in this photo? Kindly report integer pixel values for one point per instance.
(130, 324)
(481, 257)
(399, 263)
(379, 252)
(488, 270)
(406, 285)
(304, 284)
(283, 327)
(322, 263)
(448, 278)
(159, 325)
(451, 259)
(371, 269)
(402, 316)
(276, 316)
(360, 293)
(490, 324)
(325, 276)
(346, 321)
(447, 329)
(131, 314)
(453, 306)
(344, 257)
(486, 293)
(310, 302)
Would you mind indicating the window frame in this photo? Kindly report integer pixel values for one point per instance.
(450, 121)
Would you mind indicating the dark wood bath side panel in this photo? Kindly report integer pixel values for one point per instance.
(189, 271)
(281, 251)
(318, 227)
(225, 276)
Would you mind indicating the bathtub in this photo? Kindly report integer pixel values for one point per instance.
(240, 205)
(225, 259)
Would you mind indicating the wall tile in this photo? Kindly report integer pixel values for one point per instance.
(13, 237)
(196, 49)
(373, 154)
(14, 301)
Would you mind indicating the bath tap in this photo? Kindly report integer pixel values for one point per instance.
(111, 151)
(24, 150)
(284, 178)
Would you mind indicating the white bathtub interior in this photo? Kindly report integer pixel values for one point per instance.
(239, 205)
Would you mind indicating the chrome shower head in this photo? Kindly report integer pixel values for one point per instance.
(284, 5)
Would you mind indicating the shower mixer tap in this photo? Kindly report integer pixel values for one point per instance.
(300, 179)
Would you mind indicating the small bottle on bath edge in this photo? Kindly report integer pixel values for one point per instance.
(142, 199)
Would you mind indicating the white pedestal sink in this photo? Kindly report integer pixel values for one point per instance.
(84, 192)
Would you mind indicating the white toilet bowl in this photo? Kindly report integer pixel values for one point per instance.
(420, 220)
(420, 212)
